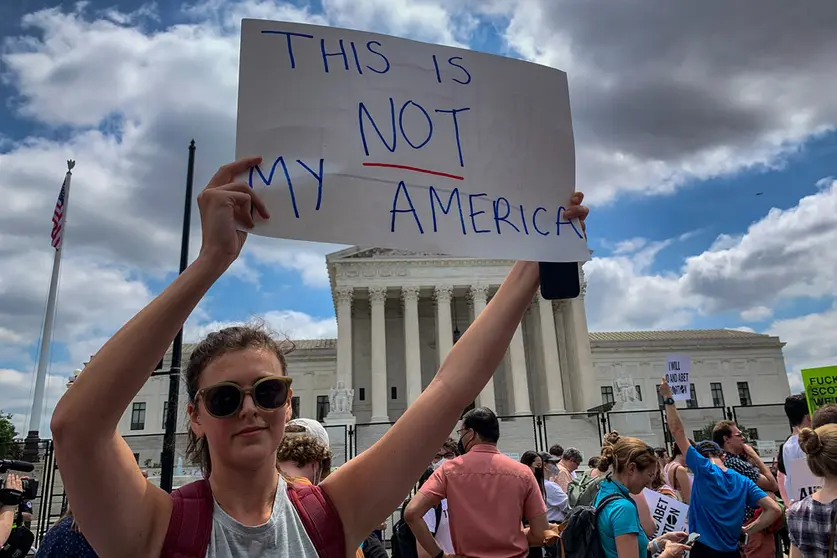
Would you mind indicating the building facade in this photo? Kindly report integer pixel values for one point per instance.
(398, 315)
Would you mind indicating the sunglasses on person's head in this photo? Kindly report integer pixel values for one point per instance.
(226, 398)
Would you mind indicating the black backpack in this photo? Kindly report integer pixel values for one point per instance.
(581, 535)
(403, 540)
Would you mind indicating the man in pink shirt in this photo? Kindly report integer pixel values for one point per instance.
(488, 495)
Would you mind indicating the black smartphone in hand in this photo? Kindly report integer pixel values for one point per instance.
(559, 280)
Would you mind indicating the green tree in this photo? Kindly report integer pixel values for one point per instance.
(9, 448)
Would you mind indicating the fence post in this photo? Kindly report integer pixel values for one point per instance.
(541, 437)
(535, 431)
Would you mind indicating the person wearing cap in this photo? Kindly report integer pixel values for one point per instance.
(303, 458)
(719, 495)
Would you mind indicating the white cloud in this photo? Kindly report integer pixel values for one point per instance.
(288, 323)
(655, 104)
(133, 99)
(810, 342)
(787, 254)
(623, 294)
(756, 314)
(16, 387)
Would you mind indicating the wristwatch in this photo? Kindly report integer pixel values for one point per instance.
(668, 401)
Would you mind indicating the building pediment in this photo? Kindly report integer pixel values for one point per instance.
(358, 253)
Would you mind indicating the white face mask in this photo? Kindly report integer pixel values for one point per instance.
(439, 463)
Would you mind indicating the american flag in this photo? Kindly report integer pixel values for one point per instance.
(58, 216)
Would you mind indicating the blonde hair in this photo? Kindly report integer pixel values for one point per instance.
(821, 447)
(621, 451)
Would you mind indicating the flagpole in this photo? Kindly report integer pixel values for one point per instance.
(32, 443)
(169, 436)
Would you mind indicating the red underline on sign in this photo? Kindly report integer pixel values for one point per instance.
(414, 169)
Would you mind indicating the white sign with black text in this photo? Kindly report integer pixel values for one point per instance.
(669, 514)
(678, 368)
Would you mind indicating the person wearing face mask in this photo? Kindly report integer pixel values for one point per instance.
(535, 462)
(487, 492)
(557, 501)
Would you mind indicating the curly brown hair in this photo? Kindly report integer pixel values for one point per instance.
(215, 345)
(302, 450)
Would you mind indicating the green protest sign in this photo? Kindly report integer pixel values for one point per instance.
(820, 386)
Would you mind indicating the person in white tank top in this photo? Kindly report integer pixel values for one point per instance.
(678, 476)
(238, 397)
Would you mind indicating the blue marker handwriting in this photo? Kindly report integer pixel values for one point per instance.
(503, 218)
(391, 125)
(315, 170)
(340, 55)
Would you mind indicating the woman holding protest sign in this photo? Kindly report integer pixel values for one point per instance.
(239, 391)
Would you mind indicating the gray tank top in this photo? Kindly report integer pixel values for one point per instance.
(282, 536)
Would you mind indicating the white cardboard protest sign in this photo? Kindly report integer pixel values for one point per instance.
(373, 140)
(802, 480)
(767, 448)
(678, 369)
(669, 514)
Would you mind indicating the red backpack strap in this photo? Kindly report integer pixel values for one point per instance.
(320, 519)
(190, 526)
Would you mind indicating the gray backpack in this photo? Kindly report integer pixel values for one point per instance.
(580, 537)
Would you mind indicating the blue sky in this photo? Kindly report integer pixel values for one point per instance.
(707, 169)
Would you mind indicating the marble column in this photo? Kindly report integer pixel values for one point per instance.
(377, 304)
(412, 352)
(478, 296)
(344, 296)
(520, 383)
(585, 393)
(564, 356)
(444, 324)
(551, 360)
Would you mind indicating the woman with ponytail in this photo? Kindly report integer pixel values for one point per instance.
(812, 521)
(633, 466)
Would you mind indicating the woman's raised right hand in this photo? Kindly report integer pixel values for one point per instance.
(225, 205)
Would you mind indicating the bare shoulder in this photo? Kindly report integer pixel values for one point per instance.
(160, 506)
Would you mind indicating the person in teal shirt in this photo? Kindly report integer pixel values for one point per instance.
(633, 464)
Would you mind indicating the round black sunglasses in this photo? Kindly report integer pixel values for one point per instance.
(225, 399)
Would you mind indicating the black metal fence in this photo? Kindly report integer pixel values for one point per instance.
(765, 426)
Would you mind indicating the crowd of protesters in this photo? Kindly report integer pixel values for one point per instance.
(268, 488)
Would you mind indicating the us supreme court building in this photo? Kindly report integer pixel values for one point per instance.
(398, 315)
